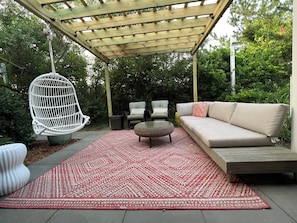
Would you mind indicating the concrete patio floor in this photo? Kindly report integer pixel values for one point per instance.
(279, 190)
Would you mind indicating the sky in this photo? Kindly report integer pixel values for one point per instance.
(222, 28)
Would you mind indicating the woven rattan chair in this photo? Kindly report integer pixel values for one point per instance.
(54, 106)
(53, 102)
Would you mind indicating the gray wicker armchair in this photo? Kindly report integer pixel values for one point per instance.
(137, 110)
(160, 109)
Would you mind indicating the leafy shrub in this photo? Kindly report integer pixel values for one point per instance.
(285, 133)
(15, 120)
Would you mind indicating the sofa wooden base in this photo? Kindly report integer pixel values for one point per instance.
(251, 160)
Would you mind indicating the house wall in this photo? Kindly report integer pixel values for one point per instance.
(293, 86)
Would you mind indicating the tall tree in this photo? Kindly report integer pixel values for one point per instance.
(213, 74)
(263, 62)
(245, 12)
(24, 43)
(150, 78)
(24, 50)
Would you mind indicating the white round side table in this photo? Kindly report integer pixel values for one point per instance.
(13, 173)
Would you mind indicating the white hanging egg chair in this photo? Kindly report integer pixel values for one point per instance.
(53, 103)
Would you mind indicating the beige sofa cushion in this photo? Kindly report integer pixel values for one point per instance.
(221, 110)
(216, 133)
(184, 108)
(263, 118)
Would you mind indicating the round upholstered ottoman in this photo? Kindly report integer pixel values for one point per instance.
(13, 173)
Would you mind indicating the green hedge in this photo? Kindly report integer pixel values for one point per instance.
(15, 120)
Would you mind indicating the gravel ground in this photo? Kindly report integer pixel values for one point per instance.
(41, 148)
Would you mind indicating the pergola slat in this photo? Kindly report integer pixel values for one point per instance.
(145, 28)
(125, 52)
(147, 37)
(149, 50)
(116, 7)
(144, 18)
(140, 45)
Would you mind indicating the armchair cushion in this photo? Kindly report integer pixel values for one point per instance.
(137, 111)
(160, 110)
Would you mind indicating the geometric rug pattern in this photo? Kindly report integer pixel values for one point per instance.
(119, 172)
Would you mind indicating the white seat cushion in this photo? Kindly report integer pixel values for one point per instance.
(160, 110)
(216, 133)
(137, 111)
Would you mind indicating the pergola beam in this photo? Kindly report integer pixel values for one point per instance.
(219, 11)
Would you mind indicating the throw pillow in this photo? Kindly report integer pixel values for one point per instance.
(200, 109)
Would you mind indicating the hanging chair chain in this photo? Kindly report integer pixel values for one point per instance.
(49, 33)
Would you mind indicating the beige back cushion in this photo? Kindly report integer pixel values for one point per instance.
(184, 108)
(263, 118)
(221, 110)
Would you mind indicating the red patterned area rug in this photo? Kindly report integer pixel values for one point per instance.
(119, 172)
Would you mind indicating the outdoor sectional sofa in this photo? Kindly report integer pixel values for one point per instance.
(239, 137)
